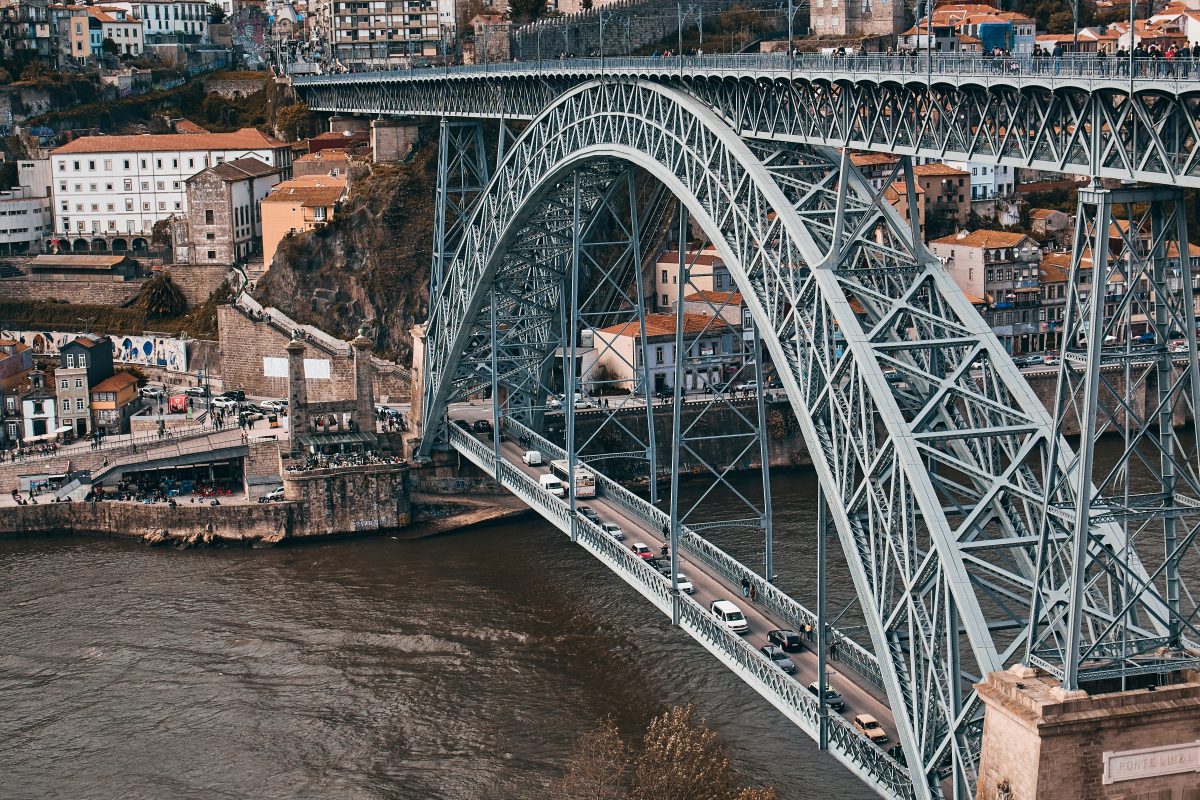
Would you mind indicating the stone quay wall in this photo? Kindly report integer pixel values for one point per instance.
(350, 499)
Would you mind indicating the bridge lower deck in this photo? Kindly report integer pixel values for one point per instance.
(861, 696)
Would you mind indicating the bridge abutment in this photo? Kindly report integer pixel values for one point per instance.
(1041, 742)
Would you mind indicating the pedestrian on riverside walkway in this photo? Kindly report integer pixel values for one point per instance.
(745, 586)
(753, 593)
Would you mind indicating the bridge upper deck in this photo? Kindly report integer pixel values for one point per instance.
(1134, 121)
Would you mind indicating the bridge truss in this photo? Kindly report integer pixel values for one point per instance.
(976, 536)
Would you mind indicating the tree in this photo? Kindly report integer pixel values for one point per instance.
(216, 14)
(597, 767)
(680, 761)
(160, 232)
(162, 298)
(522, 11)
(293, 122)
(109, 46)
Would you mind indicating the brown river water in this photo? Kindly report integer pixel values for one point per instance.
(462, 666)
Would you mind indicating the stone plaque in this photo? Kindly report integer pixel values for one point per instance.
(1151, 762)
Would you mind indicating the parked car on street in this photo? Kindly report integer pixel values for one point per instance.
(152, 392)
(196, 391)
(234, 394)
(613, 530)
(273, 406)
(272, 496)
(224, 403)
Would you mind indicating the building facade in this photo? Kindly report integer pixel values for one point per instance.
(109, 191)
(82, 363)
(616, 356)
(168, 17)
(114, 400)
(25, 222)
(38, 414)
(1003, 270)
(223, 222)
(382, 32)
(856, 17)
(298, 206)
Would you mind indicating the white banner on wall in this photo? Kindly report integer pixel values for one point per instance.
(316, 369)
(275, 367)
(149, 351)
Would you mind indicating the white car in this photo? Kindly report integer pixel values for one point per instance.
(224, 403)
(684, 584)
(152, 392)
(532, 458)
(273, 406)
(274, 495)
(728, 613)
(613, 530)
(552, 485)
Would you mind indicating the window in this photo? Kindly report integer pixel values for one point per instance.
(175, 184)
(208, 216)
(212, 255)
(82, 361)
(664, 276)
(79, 404)
(39, 407)
(64, 384)
(129, 204)
(143, 163)
(178, 205)
(191, 162)
(665, 300)
(175, 163)
(66, 404)
(112, 207)
(162, 205)
(127, 163)
(62, 186)
(161, 185)
(79, 383)
(75, 166)
(210, 236)
(108, 164)
(145, 186)
(70, 361)
(145, 206)
(158, 163)
(658, 355)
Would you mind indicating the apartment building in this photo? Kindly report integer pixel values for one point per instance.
(168, 17)
(382, 32)
(856, 17)
(1002, 269)
(706, 273)
(616, 358)
(298, 206)
(25, 28)
(25, 221)
(109, 191)
(82, 363)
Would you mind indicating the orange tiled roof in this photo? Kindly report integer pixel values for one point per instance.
(308, 191)
(664, 325)
(114, 383)
(983, 238)
(936, 169)
(716, 298)
(245, 139)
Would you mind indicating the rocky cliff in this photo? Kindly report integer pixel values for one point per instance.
(371, 264)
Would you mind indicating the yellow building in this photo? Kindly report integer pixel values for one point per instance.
(114, 400)
(298, 206)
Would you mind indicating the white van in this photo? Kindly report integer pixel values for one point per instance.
(532, 458)
(552, 485)
(731, 615)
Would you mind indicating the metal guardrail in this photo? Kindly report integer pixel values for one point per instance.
(117, 448)
(1067, 69)
(842, 648)
(783, 691)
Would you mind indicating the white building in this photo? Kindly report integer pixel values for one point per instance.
(38, 412)
(987, 180)
(25, 222)
(109, 191)
(616, 356)
(167, 17)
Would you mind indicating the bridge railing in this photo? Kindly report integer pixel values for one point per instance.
(1184, 70)
(783, 691)
(841, 648)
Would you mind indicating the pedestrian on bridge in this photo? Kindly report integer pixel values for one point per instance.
(753, 594)
(745, 586)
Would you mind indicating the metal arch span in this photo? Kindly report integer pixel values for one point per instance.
(1085, 126)
(933, 479)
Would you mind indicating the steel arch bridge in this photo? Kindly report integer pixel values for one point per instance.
(976, 536)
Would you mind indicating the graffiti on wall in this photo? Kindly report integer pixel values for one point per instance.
(146, 351)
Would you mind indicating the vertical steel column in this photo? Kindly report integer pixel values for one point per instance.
(677, 412)
(820, 632)
(495, 382)
(643, 346)
(910, 197)
(764, 458)
(1164, 434)
(569, 350)
(1087, 430)
(441, 199)
(954, 671)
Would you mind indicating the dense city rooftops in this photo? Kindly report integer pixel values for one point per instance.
(664, 325)
(983, 238)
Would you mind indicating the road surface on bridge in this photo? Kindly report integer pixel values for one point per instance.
(860, 696)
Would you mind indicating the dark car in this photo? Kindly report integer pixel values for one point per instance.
(778, 658)
(235, 394)
(787, 640)
(664, 394)
(462, 423)
(720, 387)
(1029, 361)
(832, 698)
(588, 513)
(481, 426)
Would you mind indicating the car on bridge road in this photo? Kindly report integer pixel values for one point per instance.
(462, 423)
(728, 613)
(684, 584)
(642, 550)
(613, 530)
(588, 513)
(833, 698)
(778, 658)
(482, 426)
(870, 727)
(786, 640)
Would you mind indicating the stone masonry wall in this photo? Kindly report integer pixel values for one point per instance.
(351, 499)
(198, 281)
(108, 293)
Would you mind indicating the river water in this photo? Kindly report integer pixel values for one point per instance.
(463, 666)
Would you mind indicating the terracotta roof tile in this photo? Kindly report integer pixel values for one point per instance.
(245, 139)
(936, 169)
(115, 382)
(715, 298)
(983, 238)
(664, 325)
(308, 191)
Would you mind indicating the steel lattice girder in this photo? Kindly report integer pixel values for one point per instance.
(1086, 130)
(934, 479)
